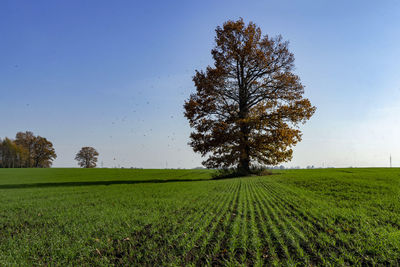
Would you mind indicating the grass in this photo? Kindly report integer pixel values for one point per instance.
(183, 217)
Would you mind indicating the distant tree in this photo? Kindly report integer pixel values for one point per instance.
(11, 154)
(43, 153)
(248, 106)
(27, 140)
(7, 152)
(87, 157)
(27, 150)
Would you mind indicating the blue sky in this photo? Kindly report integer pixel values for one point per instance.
(114, 75)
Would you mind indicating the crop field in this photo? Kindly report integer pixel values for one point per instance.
(183, 217)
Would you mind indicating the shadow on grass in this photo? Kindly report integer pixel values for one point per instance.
(232, 173)
(117, 182)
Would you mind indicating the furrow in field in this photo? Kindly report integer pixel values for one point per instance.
(291, 250)
(194, 222)
(235, 245)
(305, 220)
(316, 220)
(167, 250)
(241, 251)
(199, 242)
(267, 247)
(204, 223)
(253, 253)
(275, 248)
(312, 224)
(217, 250)
(181, 230)
(296, 234)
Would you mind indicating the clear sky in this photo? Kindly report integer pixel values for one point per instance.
(114, 75)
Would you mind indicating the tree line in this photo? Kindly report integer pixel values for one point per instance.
(30, 151)
(26, 151)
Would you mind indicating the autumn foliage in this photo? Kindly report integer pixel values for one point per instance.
(26, 151)
(248, 107)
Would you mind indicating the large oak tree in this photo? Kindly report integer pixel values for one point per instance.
(249, 105)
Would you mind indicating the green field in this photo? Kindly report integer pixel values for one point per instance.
(182, 217)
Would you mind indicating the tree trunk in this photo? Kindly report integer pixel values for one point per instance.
(244, 161)
(244, 166)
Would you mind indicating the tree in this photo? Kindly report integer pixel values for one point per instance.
(12, 155)
(27, 150)
(248, 106)
(87, 157)
(27, 140)
(43, 153)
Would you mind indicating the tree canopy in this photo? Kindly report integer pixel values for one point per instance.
(26, 151)
(247, 107)
(87, 157)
